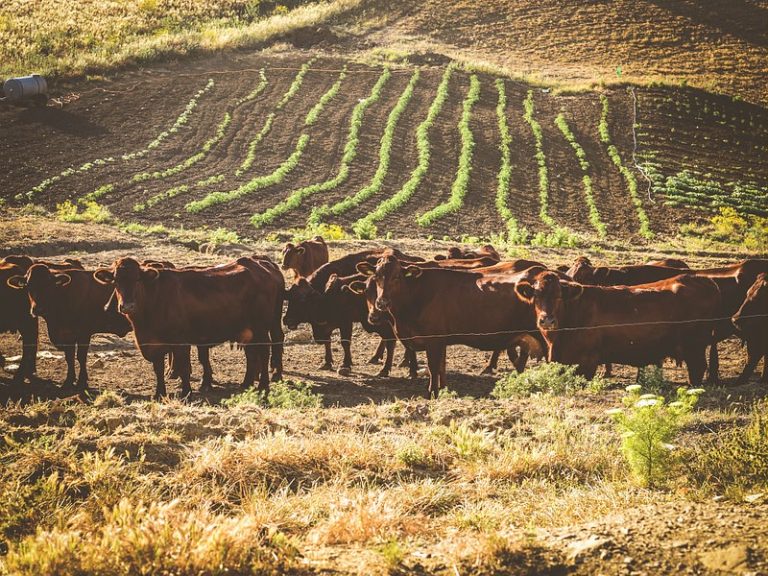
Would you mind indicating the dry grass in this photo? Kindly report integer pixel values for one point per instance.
(188, 489)
(98, 36)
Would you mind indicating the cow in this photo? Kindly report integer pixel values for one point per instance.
(432, 308)
(734, 281)
(170, 310)
(304, 296)
(634, 325)
(73, 306)
(14, 311)
(669, 263)
(751, 321)
(460, 253)
(583, 272)
(305, 257)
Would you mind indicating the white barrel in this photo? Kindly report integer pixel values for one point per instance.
(25, 87)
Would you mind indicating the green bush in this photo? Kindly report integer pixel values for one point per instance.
(649, 425)
(92, 212)
(549, 378)
(283, 394)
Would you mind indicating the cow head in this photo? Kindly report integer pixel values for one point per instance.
(130, 280)
(22, 261)
(582, 270)
(303, 303)
(292, 256)
(548, 296)
(750, 317)
(42, 286)
(389, 277)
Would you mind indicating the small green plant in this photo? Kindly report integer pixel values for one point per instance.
(283, 394)
(649, 425)
(92, 212)
(99, 193)
(550, 378)
(223, 236)
(469, 444)
(393, 553)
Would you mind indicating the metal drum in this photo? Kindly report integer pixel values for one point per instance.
(25, 87)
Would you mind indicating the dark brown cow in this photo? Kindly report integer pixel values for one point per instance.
(751, 321)
(670, 263)
(305, 295)
(14, 311)
(305, 257)
(73, 306)
(172, 309)
(634, 325)
(433, 308)
(583, 272)
(460, 253)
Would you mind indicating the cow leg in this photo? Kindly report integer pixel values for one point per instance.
(82, 360)
(608, 370)
(182, 364)
(764, 378)
(158, 364)
(28, 364)
(406, 361)
(493, 363)
(587, 368)
(262, 365)
(713, 376)
(204, 358)
(278, 339)
(328, 364)
(413, 363)
(696, 362)
(172, 372)
(379, 354)
(753, 358)
(346, 345)
(390, 349)
(69, 356)
(436, 365)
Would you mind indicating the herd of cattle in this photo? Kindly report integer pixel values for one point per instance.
(584, 315)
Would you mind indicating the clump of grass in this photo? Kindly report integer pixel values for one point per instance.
(550, 378)
(221, 236)
(460, 184)
(92, 212)
(366, 226)
(283, 394)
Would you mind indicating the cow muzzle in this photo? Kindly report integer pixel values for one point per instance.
(547, 322)
(127, 308)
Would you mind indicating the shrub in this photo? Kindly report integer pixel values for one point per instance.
(648, 426)
(92, 212)
(548, 378)
(283, 394)
(223, 236)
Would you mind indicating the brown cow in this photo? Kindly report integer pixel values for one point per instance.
(751, 321)
(73, 306)
(583, 272)
(14, 311)
(433, 308)
(304, 295)
(172, 309)
(670, 263)
(634, 325)
(460, 253)
(305, 257)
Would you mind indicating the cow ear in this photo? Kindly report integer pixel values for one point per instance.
(150, 274)
(356, 287)
(288, 246)
(63, 279)
(572, 291)
(366, 268)
(17, 282)
(300, 250)
(525, 291)
(104, 276)
(412, 272)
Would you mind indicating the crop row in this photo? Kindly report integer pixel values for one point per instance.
(296, 197)
(279, 174)
(684, 189)
(594, 213)
(250, 156)
(385, 153)
(180, 121)
(613, 153)
(366, 227)
(541, 159)
(515, 234)
(460, 184)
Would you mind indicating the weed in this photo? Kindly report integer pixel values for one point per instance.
(550, 378)
(92, 212)
(283, 394)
